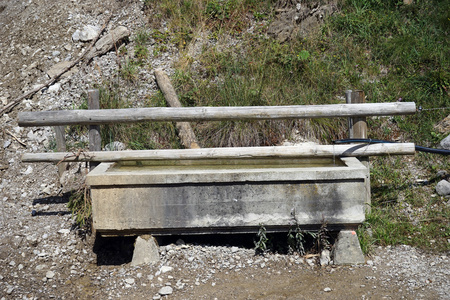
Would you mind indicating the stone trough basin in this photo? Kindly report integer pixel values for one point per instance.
(237, 195)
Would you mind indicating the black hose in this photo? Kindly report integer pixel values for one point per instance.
(372, 141)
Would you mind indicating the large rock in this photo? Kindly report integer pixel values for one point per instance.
(145, 250)
(443, 188)
(445, 143)
(88, 33)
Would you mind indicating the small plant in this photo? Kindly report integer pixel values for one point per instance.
(365, 236)
(141, 53)
(261, 242)
(297, 240)
(142, 37)
(323, 238)
(303, 55)
(296, 237)
(129, 71)
(81, 207)
(147, 3)
(140, 50)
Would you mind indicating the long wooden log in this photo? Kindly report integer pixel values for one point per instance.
(228, 153)
(107, 42)
(176, 114)
(187, 135)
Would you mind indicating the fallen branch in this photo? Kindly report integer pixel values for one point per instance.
(16, 138)
(185, 131)
(28, 94)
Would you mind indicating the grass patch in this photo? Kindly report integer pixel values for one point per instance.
(137, 136)
(81, 207)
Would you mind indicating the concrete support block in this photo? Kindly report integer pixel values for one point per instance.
(347, 250)
(145, 250)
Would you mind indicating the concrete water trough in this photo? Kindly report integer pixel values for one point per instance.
(235, 195)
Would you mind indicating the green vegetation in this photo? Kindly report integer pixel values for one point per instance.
(262, 241)
(138, 136)
(405, 207)
(393, 52)
(296, 240)
(80, 206)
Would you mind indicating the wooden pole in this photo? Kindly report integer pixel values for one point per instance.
(60, 146)
(95, 140)
(187, 135)
(229, 113)
(358, 130)
(229, 153)
(357, 125)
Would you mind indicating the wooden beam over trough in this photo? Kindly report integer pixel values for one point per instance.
(192, 114)
(228, 153)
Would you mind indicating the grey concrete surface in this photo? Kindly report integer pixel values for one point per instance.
(155, 198)
(347, 250)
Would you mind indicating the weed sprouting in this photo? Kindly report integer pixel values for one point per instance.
(297, 239)
(323, 238)
(80, 206)
(129, 71)
(261, 241)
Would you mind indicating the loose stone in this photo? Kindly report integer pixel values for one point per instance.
(165, 269)
(167, 290)
(50, 274)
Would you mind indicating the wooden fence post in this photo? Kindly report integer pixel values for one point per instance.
(95, 141)
(60, 146)
(357, 129)
(357, 126)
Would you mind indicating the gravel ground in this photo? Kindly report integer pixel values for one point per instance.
(43, 256)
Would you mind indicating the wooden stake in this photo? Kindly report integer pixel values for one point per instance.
(95, 140)
(357, 127)
(187, 135)
(60, 146)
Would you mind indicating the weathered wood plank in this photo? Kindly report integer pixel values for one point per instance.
(226, 153)
(188, 114)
